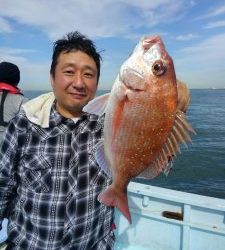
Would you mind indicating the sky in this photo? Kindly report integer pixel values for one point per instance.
(193, 33)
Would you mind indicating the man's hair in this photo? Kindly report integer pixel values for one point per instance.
(75, 41)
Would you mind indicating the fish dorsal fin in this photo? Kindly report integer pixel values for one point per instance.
(164, 160)
(101, 158)
(97, 105)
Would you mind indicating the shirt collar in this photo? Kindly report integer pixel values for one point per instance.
(56, 118)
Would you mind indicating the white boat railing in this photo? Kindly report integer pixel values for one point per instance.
(165, 219)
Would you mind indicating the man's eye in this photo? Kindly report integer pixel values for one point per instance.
(89, 75)
(68, 72)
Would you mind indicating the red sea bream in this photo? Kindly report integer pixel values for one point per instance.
(143, 123)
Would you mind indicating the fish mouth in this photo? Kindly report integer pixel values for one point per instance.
(154, 46)
(148, 42)
(132, 79)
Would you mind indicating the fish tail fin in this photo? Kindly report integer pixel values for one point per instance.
(111, 197)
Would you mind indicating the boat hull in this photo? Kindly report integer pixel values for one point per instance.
(165, 219)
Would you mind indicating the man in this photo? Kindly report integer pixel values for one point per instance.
(49, 178)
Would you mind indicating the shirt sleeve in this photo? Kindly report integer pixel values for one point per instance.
(8, 182)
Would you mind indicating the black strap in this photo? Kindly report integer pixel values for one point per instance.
(2, 122)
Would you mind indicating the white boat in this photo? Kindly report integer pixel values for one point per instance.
(165, 219)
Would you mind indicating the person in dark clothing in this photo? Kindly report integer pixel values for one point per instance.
(11, 97)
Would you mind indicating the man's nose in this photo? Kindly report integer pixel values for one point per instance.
(78, 81)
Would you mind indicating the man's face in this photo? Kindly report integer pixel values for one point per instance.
(74, 83)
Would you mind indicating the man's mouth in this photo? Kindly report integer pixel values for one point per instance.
(78, 95)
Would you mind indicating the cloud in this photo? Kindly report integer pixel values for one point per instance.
(186, 37)
(95, 18)
(202, 63)
(215, 24)
(15, 55)
(28, 70)
(29, 82)
(15, 51)
(110, 19)
(217, 11)
(4, 26)
(208, 53)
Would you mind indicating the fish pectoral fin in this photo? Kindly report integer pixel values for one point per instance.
(97, 105)
(149, 173)
(181, 129)
(101, 158)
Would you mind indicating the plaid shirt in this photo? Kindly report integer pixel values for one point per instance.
(49, 183)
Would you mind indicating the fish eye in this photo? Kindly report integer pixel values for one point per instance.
(158, 68)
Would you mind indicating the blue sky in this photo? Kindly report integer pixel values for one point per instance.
(193, 33)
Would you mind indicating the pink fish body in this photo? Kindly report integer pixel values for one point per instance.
(140, 117)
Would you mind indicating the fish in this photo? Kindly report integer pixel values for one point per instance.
(144, 120)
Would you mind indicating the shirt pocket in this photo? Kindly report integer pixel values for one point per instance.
(36, 172)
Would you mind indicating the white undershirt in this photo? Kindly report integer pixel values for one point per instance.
(75, 119)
